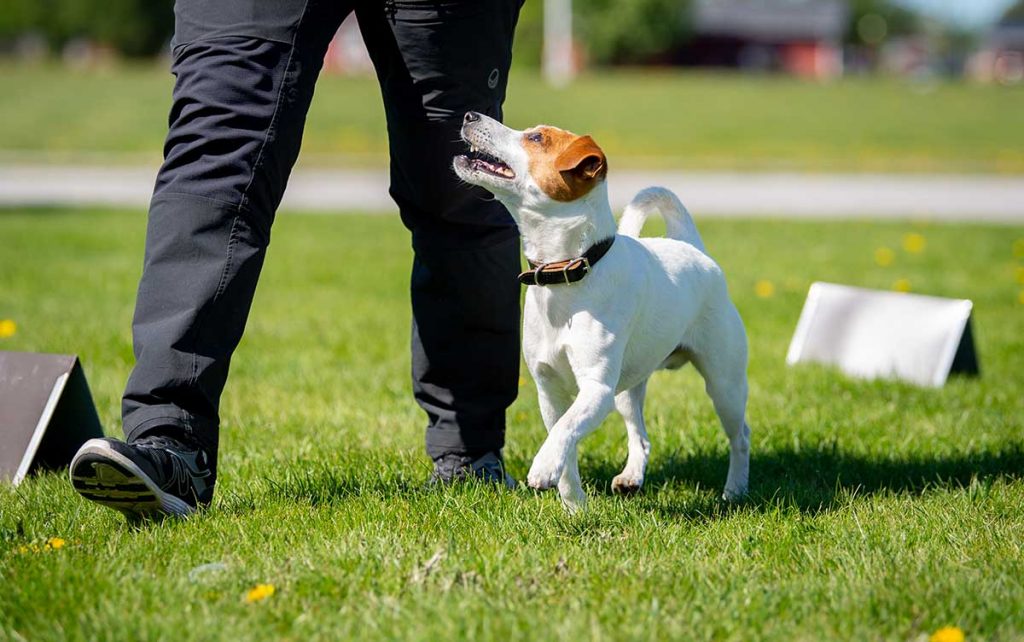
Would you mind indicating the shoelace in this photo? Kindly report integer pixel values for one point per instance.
(180, 479)
(159, 441)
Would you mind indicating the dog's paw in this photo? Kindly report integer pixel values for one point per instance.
(624, 484)
(544, 473)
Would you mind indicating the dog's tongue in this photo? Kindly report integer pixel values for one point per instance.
(491, 165)
(503, 170)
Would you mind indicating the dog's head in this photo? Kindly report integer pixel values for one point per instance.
(543, 168)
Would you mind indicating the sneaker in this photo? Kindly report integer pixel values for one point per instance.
(490, 468)
(151, 477)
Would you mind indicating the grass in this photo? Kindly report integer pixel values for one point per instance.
(669, 119)
(878, 511)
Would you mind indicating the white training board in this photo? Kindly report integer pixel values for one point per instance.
(881, 334)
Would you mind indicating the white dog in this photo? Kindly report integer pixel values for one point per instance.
(607, 308)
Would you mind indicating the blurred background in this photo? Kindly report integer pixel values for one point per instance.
(979, 39)
(806, 85)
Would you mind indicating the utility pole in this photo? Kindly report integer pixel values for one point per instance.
(558, 66)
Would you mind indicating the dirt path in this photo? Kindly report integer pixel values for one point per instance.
(784, 195)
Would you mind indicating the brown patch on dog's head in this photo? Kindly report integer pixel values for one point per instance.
(564, 165)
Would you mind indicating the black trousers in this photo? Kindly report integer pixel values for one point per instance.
(245, 73)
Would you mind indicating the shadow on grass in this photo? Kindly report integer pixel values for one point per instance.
(812, 481)
(321, 483)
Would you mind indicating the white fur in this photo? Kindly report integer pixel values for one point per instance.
(649, 304)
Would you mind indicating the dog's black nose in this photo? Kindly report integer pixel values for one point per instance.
(471, 117)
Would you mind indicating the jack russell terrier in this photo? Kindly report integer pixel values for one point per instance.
(607, 308)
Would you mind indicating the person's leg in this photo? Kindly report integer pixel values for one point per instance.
(435, 62)
(245, 72)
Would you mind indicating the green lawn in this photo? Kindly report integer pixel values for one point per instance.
(877, 511)
(670, 119)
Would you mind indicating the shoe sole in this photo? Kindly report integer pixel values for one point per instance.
(104, 476)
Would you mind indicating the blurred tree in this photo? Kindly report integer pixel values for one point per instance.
(631, 31)
(133, 27)
(873, 21)
(1014, 14)
(529, 35)
(20, 16)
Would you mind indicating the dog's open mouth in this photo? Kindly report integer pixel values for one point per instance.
(488, 164)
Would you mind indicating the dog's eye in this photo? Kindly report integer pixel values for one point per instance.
(535, 137)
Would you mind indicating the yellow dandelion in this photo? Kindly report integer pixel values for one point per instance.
(914, 243)
(522, 381)
(764, 288)
(1018, 248)
(947, 634)
(1020, 275)
(259, 593)
(901, 285)
(884, 256)
(55, 543)
(7, 328)
(1020, 297)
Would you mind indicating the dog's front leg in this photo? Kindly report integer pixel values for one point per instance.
(593, 403)
(552, 399)
(570, 486)
(554, 403)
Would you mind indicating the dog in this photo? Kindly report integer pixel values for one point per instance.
(605, 308)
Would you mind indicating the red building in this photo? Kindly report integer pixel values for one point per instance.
(801, 37)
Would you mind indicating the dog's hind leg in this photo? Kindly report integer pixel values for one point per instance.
(630, 404)
(724, 368)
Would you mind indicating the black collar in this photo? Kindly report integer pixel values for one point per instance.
(569, 270)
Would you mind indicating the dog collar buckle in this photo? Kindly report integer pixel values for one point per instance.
(567, 271)
(576, 264)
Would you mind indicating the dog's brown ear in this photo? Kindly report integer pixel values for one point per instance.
(584, 159)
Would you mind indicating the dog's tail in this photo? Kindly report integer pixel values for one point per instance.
(678, 222)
